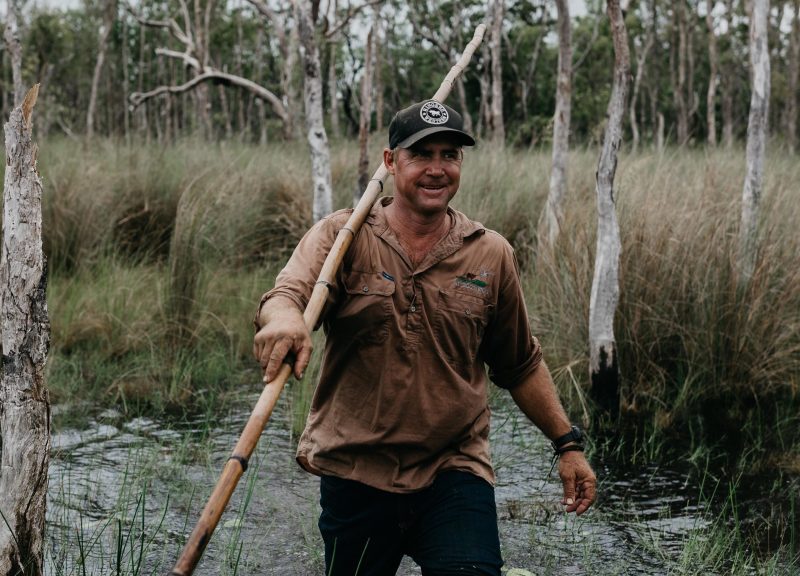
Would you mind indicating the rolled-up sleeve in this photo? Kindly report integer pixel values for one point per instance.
(297, 279)
(509, 349)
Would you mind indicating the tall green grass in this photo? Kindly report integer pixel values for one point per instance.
(159, 255)
(699, 352)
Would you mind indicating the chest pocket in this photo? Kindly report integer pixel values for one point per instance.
(367, 307)
(461, 320)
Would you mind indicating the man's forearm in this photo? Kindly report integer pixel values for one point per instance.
(276, 306)
(538, 399)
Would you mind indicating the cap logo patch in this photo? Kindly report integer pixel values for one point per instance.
(433, 113)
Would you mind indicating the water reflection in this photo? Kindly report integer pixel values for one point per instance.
(123, 496)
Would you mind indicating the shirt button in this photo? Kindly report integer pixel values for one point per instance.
(365, 289)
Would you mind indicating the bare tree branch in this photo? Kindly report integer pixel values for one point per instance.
(188, 59)
(137, 98)
(187, 20)
(351, 12)
(589, 45)
(183, 36)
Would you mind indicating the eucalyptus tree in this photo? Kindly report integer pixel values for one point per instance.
(194, 35)
(603, 358)
(681, 91)
(286, 33)
(644, 47)
(315, 126)
(713, 65)
(756, 138)
(364, 119)
(554, 209)
(728, 76)
(792, 72)
(444, 25)
(495, 47)
(525, 44)
(109, 9)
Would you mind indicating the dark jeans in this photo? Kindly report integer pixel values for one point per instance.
(448, 528)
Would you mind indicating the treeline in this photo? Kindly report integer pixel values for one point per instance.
(100, 63)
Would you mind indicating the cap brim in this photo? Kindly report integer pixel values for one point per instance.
(463, 138)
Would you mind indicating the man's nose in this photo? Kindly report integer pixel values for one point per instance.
(435, 166)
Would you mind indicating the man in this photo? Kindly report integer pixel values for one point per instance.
(398, 427)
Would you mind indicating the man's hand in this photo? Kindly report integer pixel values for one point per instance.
(283, 332)
(579, 482)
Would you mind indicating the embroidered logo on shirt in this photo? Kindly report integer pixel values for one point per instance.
(474, 282)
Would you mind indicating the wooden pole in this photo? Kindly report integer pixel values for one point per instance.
(237, 463)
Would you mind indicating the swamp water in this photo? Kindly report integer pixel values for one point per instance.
(124, 495)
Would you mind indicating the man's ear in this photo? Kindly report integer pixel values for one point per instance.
(388, 160)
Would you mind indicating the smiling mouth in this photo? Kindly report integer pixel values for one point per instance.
(433, 187)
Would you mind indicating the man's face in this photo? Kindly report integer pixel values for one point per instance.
(426, 175)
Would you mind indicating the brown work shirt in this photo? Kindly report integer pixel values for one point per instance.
(402, 392)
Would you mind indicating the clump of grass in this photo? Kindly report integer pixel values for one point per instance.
(111, 341)
(698, 350)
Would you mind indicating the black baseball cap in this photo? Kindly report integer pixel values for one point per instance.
(422, 119)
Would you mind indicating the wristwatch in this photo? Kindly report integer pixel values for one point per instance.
(574, 435)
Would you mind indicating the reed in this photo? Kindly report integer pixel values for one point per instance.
(142, 241)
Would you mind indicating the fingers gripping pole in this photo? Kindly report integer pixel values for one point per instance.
(237, 463)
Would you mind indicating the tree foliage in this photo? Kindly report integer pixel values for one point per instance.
(60, 48)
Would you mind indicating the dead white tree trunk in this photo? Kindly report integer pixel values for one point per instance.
(496, 48)
(756, 138)
(109, 15)
(711, 125)
(24, 402)
(315, 126)
(365, 116)
(603, 365)
(554, 210)
(11, 35)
